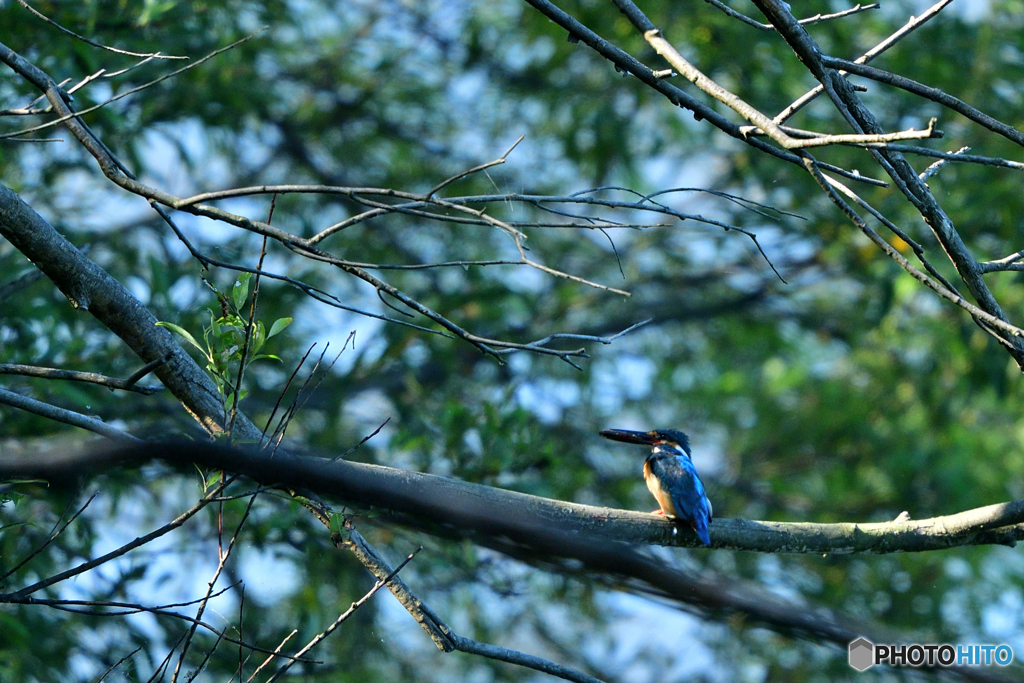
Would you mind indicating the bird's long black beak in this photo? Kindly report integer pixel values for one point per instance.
(646, 438)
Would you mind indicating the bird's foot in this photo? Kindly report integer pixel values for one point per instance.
(659, 511)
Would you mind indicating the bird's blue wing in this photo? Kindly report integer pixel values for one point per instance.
(679, 476)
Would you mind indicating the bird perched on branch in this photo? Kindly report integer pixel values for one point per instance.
(671, 476)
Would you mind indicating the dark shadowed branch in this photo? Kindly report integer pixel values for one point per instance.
(568, 535)
(481, 512)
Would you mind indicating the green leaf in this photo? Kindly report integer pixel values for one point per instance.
(258, 340)
(177, 329)
(212, 481)
(279, 325)
(240, 292)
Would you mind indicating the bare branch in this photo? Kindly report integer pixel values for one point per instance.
(50, 538)
(861, 120)
(933, 94)
(119, 663)
(476, 169)
(653, 36)
(443, 636)
(626, 63)
(20, 66)
(24, 593)
(1011, 262)
(341, 619)
(90, 377)
(991, 321)
(935, 167)
(579, 536)
(51, 22)
(64, 415)
(81, 607)
(816, 19)
(957, 156)
(222, 559)
(912, 24)
(270, 657)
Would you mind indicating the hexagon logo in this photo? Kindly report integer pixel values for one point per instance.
(862, 654)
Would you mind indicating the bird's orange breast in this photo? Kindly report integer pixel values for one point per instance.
(660, 494)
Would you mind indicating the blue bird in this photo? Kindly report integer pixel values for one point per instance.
(671, 476)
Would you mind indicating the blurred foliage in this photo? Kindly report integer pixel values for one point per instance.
(848, 394)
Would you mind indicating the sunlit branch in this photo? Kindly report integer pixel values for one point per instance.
(51, 22)
(906, 179)
(933, 94)
(937, 166)
(14, 61)
(654, 37)
(626, 63)
(816, 19)
(912, 24)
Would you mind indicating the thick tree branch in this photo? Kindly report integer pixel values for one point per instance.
(574, 537)
(90, 288)
(479, 511)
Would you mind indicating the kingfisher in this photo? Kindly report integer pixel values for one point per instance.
(671, 476)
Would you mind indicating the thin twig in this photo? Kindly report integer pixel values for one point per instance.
(50, 538)
(937, 287)
(443, 636)
(476, 169)
(816, 19)
(341, 619)
(122, 550)
(935, 167)
(222, 558)
(362, 441)
(654, 38)
(271, 656)
(51, 22)
(132, 91)
(249, 327)
(119, 663)
(933, 94)
(67, 605)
